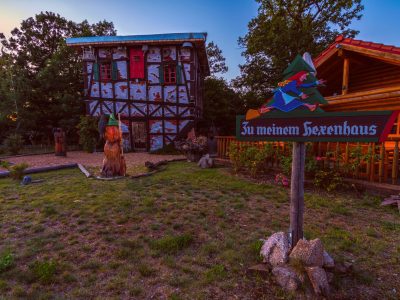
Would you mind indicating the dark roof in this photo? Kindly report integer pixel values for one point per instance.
(197, 38)
(340, 40)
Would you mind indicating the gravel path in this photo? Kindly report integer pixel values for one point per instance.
(87, 159)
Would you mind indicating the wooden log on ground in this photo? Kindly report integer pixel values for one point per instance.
(84, 171)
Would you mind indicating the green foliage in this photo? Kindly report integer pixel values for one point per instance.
(16, 171)
(221, 105)
(235, 157)
(44, 271)
(330, 180)
(13, 143)
(172, 244)
(255, 248)
(88, 133)
(6, 261)
(41, 86)
(251, 158)
(286, 164)
(215, 59)
(283, 29)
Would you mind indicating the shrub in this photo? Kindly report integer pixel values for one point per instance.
(16, 171)
(13, 143)
(235, 157)
(88, 133)
(329, 180)
(286, 164)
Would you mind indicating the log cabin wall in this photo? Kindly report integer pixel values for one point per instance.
(373, 75)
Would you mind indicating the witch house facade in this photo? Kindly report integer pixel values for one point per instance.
(153, 82)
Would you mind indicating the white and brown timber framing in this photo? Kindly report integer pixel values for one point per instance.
(185, 104)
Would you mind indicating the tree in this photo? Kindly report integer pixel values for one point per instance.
(221, 105)
(51, 72)
(221, 102)
(285, 28)
(216, 60)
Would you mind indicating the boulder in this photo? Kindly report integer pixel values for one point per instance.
(206, 162)
(275, 250)
(286, 278)
(319, 280)
(310, 253)
(329, 263)
(330, 276)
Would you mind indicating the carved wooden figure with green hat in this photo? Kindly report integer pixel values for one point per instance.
(114, 161)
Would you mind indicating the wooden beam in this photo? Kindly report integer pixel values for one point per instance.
(345, 83)
(326, 57)
(380, 55)
(365, 93)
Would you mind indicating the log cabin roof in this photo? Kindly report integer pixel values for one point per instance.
(369, 48)
(360, 75)
(197, 38)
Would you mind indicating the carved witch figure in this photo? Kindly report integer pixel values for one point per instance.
(60, 142)
(114, 161)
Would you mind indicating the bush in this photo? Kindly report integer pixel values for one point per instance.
(13, 143)
(329, 180)
(16, 171)
(88, 133)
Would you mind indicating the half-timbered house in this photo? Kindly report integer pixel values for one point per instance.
(153, 82)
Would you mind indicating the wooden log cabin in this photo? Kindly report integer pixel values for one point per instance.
(361, 76)
(154, 82)
(364, 76)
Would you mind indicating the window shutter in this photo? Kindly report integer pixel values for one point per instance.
(114, 70)
(96, 72)
(179, 78)
(161, 73)
(136, 67)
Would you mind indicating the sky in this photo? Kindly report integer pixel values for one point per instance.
(224, 20)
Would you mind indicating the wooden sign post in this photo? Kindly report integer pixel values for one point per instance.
(293, 114)
(297, 192)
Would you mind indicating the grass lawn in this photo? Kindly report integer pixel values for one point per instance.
(184, 233)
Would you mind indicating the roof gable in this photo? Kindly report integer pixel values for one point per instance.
(387, 53)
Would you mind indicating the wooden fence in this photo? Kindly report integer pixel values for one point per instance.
(375, 162)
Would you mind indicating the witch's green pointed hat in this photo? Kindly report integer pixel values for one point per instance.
(112, 121)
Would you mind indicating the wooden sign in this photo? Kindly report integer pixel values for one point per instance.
(371, 126)
(294, 114)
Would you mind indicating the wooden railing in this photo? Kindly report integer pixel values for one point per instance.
(377, 162)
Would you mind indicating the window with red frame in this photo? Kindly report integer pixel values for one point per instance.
(105, 71)
(169, 74)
